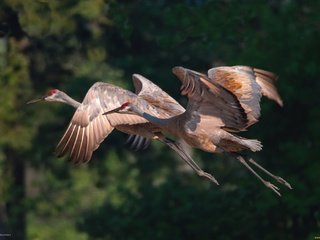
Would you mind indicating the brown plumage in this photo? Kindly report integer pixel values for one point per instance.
(88, 127)
(247, 84)
(220, 103)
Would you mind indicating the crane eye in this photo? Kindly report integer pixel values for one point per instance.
(52, 91)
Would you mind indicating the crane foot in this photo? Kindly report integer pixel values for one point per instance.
(202, 173)
(284, 182)
(272, 187)
(277, 178)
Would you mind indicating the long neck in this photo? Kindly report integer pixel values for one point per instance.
(68, 100)
(155, 120)
(170, 125)
(161, 122)
(150, 113)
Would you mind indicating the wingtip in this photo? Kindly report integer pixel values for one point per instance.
(58, 153)
(280, 102)
(135, 75)
(178, 70)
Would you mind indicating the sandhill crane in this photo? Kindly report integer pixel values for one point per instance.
(225, 101)
(88, 127)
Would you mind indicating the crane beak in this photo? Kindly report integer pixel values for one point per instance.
(36, 100)
(113, 110)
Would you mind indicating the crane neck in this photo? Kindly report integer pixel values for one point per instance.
(69, 100)
(155, 120)
(161, 122)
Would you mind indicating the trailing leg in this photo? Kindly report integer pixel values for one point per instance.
(266, 183)
(277, 178)
(184, 156)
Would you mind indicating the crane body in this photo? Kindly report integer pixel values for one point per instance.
(89, 127)
(225, 101)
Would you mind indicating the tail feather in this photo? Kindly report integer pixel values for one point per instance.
(253, 144)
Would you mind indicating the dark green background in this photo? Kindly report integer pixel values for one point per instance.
(123, 194)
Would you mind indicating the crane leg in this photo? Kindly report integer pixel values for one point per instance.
(266, 183)
(184, 156)
(277, 178)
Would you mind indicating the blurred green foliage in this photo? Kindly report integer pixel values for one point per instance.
(122, 194)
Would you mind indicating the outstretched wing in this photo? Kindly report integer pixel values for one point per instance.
(88, 127)
(248, 85)
(209, 104)
(241, 81)
(266, 81)
(153, 94)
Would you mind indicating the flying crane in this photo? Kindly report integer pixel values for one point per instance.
(225, 101)
(88, 127)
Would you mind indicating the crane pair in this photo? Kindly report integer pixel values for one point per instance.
(221, 102)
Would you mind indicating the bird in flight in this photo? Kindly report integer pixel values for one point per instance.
(89, 127)
(225, 101)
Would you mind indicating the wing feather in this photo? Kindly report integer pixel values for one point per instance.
(210, 100)
(73, 139)
(65, 135)
(78, 147)
(153, 94)
(266, 81)
(241, 81)
(94, 134)
(62, 146)
(90, 143)
(87, 129)
(248, 85)
(75, 148)
(121, 119)
(83, 146)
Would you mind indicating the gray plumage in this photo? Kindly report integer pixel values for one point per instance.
(89, 127)
(225, 101)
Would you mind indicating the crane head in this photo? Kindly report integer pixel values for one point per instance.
(52, 95)
(125, 106)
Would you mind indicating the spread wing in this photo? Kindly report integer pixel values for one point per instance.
(88, 127)
(156, 96)
(266, 81)
(111, 97)
(241, 81)
(248, 85)
(209, 103)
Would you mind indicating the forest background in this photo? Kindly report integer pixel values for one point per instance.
(122, 194)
